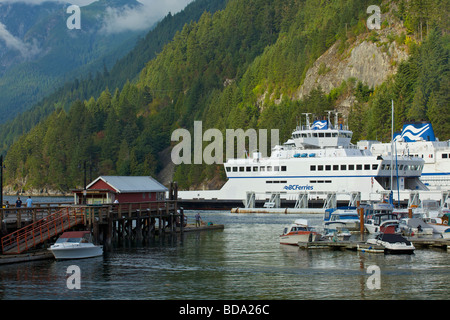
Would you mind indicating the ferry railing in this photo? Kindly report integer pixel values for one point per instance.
(41, 230)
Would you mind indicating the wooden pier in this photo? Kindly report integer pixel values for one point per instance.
(131, 221)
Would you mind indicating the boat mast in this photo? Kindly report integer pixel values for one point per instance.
(391, 198)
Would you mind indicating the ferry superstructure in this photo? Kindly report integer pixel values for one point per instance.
(418, 139)
(317, 159)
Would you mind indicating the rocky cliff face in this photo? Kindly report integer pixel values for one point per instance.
(371, 59)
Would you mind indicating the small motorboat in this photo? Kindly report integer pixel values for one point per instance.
(75, 245)
(299, 231)
(392, 243)
(440, 225)
(346, 215)
(414, 227)
(336, 231)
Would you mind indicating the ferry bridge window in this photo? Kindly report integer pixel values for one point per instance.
(359, 167)
(320, 168)
(262, 169)
(276, 168)
(351, 167)
(335, 167)
(269, 168)
(234, 169)
(343, 167)
(444, 156)
(328, 134)
(328, 167)
(228, 169)
(248, 169)
(255, 169)
(367, 167)
(241, 169)
(374, 167)
(321, 134)
(312, 168)
(283, 168)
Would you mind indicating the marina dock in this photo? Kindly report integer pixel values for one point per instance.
(364, 247)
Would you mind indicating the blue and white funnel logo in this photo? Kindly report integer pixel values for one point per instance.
(416, 132)
(320, 125)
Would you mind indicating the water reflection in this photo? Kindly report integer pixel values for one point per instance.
(243, 261)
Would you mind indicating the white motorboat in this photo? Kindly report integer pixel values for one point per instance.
(75, 245)
(336, 231)
(347, 216)
(380, 218)
(392, 243)
(414, 227)
(299, 231)
(440, 225)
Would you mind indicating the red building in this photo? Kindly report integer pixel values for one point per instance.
(109, 189)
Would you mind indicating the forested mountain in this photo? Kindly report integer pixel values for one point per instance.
(39, 52)
(92, 84)
(242, 67)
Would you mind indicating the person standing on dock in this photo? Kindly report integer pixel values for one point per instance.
(29, 202)
(197, 220)
(18, 202)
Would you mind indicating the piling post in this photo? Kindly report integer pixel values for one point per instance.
(95, 231)
(181, 220)
(175, 191)
(138, 226)
(110, 230)
(361, 220)
(410, 213)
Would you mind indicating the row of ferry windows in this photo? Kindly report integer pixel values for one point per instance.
(336, 167)
(328, 167)
(256, 168)
(323, 135)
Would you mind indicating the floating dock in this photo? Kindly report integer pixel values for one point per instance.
(365, 247)
(25, 257)
(280, 210)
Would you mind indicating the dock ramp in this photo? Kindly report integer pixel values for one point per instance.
(42, 230)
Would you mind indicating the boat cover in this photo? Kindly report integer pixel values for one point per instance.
(74, 234)
(392, 238)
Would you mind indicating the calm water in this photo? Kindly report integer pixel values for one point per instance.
(243, 261)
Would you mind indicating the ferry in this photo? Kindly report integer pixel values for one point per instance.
(418, 139)
(318, 159)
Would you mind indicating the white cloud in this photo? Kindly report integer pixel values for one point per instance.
(27, 50)
(140, 18)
